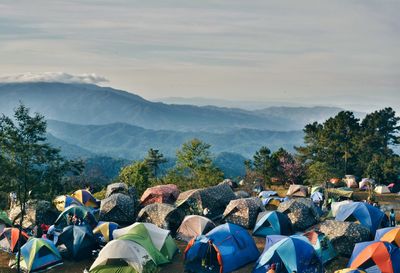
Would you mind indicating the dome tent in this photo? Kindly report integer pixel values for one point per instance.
(193, 226)
(38, 255)
(105, 230)
(226, 248)
(294, 253)
(79, 241)
(272, 223)
(63, 201)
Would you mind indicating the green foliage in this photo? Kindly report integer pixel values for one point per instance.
(319, 172)
(153, 160)
(194, 166)
(265, 164)
(346, 146)
(100, 195)
(138, 175)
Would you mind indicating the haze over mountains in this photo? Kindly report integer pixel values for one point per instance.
(86, 119)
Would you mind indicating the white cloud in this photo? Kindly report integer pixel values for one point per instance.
(53, 77)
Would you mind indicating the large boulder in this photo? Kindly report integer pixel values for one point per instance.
(37, 212)
(301, 211)
(343, 235)
(118, 208)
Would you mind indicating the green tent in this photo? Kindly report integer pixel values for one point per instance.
(157, 242)
(4, 218)
(81, 212)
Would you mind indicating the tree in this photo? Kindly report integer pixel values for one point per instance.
(30, 166)
(153, 160)
(290, 168)
(194, 166)
(137, 174)
(264, 163)
(319, 173)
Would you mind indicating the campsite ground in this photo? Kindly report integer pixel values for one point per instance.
(386, 201)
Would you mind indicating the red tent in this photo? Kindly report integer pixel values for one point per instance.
(160, 194)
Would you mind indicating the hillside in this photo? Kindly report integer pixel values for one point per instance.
(132, 142)
(92, 104)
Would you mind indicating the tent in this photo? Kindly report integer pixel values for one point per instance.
(104, 230)
(297, 191)
(343, 235)
(267, 194)
(322, 245)
(119, 208)
(4, 218)
(382, 189)
(317, 197)
(123, 256)
(193, 226)
(79, 241)
(302, 212)
(242, 194)
(336, 205)
(157, 242)
(116, 188)
(384, 256)
(63, 201)
(390, 235)
(272, 223)
(243, 211)
(162, 215)
(39, 254)
(317, 188)
(350, 181)
(82, 213)
(86, 198)
(214, 199)
(160, 194)
(365, 183)
(294, 253)
(340, 193)
(349, 270)
(9, 239)
(224, 249)
(367, 215)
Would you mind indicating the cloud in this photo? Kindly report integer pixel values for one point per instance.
(63, 77)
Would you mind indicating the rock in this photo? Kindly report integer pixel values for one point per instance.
(37, 212)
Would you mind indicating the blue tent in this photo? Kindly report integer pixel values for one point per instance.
(224, 249)
(322, 245)
(273, 223)
(368, 216)
(39, 254)
(294, 253)
(383, 255)
(79, 241)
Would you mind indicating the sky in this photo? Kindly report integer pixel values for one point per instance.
(343, 52)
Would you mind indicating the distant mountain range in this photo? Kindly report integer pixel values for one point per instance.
(92, 104)
(95, 123)
(132, 142)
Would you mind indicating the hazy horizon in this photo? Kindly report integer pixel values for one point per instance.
(342, 53)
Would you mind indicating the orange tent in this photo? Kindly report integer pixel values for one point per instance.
(390, 235)
(381, 254)
(9, 239)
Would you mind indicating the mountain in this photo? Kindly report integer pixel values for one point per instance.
(92, 104)
(132, 142)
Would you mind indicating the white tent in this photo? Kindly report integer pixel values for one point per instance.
(366, 182)
(130, 252)
(350, 181)
(382, 189)
(336, 205)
